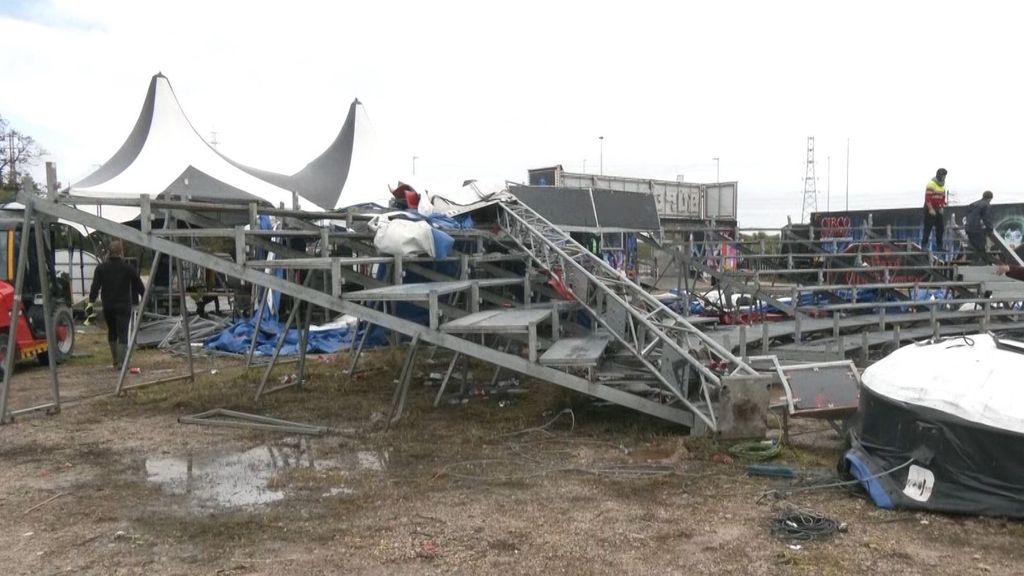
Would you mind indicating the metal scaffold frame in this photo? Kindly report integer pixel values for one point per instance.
(338, 269)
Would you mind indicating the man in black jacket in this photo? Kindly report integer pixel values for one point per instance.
(979, 226)
(120, 287)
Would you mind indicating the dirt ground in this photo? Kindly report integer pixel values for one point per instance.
(536, 481)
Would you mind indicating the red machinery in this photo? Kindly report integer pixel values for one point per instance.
(31, 343)
(30, 332)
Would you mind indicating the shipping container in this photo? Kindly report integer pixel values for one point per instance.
(675, 200)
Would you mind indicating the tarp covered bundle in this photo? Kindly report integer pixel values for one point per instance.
(942, 428)
(326, 339)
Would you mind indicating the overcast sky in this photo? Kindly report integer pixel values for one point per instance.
(486, 90)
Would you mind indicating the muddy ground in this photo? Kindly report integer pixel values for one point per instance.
(118, 486)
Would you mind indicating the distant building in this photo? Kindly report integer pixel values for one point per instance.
(682, 207)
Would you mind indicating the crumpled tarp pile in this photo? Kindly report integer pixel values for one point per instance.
(326, 339)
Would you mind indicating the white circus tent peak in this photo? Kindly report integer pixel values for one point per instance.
(165, 156)
(348, 173)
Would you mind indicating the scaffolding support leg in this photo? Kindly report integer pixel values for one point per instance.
(404, 380)
(256, 331)
(304, 342)
(48, 313)
(183, 304)
(12, 332)
(133, 332)
(358, 350)
(497, 369)
(277, 349)
(444, 381)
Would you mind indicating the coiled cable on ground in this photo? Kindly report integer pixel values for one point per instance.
(797, 524)
(757, 451)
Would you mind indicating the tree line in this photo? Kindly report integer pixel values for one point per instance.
(18, 153)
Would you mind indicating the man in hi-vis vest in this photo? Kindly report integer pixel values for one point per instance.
(934, 202)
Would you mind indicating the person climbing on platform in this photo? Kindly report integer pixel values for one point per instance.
(978, 227)
(934, 203)
(120, 288)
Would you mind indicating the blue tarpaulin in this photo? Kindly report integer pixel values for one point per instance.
(236, 339)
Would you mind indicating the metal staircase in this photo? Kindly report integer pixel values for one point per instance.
(658, 344)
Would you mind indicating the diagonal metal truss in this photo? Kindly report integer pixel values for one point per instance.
(651, 335)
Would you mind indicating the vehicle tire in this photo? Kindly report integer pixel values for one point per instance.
(64, 332)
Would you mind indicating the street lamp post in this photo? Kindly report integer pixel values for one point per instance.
(718, 179)
(601, 138)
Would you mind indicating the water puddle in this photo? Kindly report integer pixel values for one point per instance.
(243, 478)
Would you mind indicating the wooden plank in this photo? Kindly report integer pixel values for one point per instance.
(575, 352)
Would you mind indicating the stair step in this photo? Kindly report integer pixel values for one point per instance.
(585, 351)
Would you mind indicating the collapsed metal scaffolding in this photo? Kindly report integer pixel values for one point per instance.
(626, 347)
(523, 296)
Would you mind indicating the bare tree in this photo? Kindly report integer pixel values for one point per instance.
(18, 152)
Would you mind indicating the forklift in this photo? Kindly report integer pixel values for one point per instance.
(30, 332)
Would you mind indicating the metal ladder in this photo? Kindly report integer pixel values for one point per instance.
(650, 335)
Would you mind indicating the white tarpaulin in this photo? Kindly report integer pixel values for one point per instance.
(968, 377)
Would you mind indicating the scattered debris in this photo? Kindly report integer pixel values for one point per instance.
(722, 458)
(233, 419)
(44, 502)
(769, 470)
(428, 549)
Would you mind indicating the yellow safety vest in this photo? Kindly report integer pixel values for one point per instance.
(935, 194)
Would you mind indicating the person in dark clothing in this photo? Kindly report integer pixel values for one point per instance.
(120, 287)
(978, 227)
